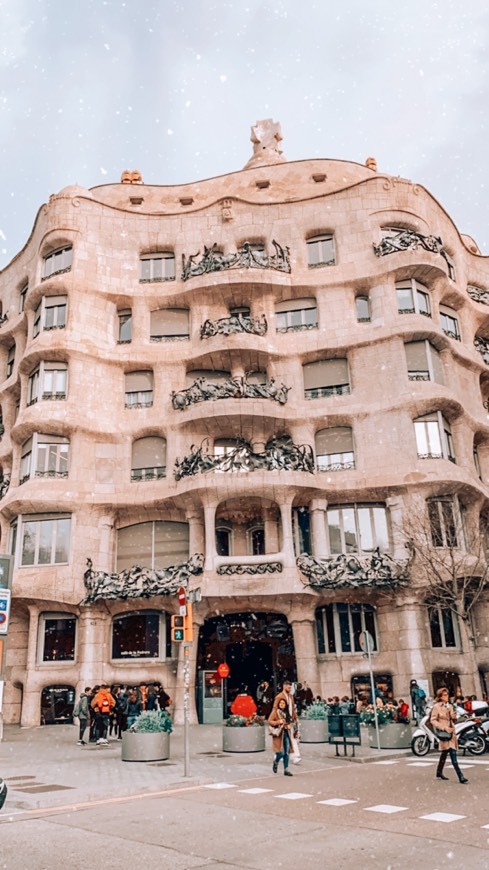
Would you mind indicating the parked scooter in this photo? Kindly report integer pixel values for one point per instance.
(468, 730)
(3, 792)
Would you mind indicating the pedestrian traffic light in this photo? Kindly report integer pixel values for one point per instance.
(188, 624)
(178, 628)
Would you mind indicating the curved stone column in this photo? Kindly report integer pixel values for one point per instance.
(92, 646)
(305, 652)
(187, 656)
(31, 699)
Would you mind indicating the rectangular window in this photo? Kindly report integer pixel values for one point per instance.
(125, 326)
(434, 437)
(10, 360)
(54, 380)
(58, 261)
(169, 324)
(58, 637)
(358, 529)
(295, 315)
(54, 312)
(51, 456)
(449, 323)
(45, 541)
(445, 522)
(339, 627)
(413, 298)
(443, 628)
(139, 389)
(321, 251)
(23, 297)
(157, 267)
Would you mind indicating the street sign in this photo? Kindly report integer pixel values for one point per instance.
(223, 670)
(4, 610)
(182, 600)
(366, 642)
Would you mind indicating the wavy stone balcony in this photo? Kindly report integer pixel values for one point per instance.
(234, 324)
(409, 240)
(139, 582)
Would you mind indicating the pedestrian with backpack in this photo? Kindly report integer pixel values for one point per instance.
(103, 703)
(82, 713)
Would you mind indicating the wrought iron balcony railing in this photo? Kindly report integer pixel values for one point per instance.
(344, 571)
(280, 454)
(203, 390)
(234, 324)
(246, 257)
(139, 582)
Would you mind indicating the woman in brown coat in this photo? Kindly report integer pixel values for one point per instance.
(442, 718)
(281, 719)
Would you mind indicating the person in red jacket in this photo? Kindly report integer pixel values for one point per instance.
(243, 705)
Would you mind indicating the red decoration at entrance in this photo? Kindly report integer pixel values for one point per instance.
(223, 670)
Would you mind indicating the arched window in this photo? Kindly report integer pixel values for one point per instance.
(327, 377)
(334, 449)
(148, 458)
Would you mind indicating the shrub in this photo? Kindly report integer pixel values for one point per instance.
(152, 721)
(236, 721)
(384, 715)
(318, 710)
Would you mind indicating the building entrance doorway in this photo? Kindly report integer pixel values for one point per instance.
(256, 646)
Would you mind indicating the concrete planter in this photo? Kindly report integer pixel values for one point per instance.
(393, 735)
(143, 746)
(251, 738)
(314, 731)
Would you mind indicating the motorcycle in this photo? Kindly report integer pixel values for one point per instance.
(470, 735)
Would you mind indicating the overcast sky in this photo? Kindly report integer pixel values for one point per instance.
(172, 87)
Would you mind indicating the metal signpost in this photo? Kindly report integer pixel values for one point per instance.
(5, 599)
(367, 646)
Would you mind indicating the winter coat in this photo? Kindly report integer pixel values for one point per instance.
(278, 717)
(97, 701)
(443, 717)
(82, 708)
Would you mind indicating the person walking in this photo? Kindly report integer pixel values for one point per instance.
(442, 719)
(82, 712)
(282, 721)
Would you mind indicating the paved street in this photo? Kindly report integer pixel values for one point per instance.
(233, 812)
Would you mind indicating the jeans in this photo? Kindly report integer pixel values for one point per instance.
(83, 726)
(285, 749)
(453, 759)
(131, 720)
(102, 726)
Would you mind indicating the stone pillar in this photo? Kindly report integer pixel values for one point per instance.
(395, 506)
(287, 536)
(305, 652)
(31, 699)
(196, 540)
(271, 530)
(92, 640)
(105, 561)
(320, 543)
(178, 715)
(210, 536)
(409, 642)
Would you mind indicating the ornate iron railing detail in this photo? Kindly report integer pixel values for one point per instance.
(139, 582)
(349, 571)
(482, 345)
(279, 454)
(261, 568)
(246, 257)
(418, 376)
(203, 390)
(409, 240)
(3, 318)
(234, 323)
(477, 294)
(347, 465)
(4, 485)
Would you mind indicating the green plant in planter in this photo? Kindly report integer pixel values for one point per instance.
(152, 722)
(236, 721)
(317, 710)
(384, 715)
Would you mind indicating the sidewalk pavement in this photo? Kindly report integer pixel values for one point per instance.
(45, 768)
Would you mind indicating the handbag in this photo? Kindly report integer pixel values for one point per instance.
(442, 735)
(275, 730)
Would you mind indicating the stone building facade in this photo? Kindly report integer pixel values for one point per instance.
(244, 385)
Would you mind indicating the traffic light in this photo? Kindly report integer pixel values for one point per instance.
(188, 624)
(178, 628)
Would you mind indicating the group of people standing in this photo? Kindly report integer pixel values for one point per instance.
(106, 710)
